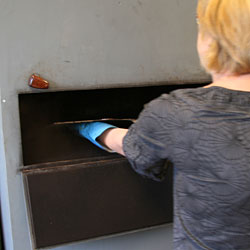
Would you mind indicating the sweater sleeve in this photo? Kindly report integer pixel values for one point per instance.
(147, 143)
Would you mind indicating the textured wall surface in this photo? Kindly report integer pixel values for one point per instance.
(78, 45)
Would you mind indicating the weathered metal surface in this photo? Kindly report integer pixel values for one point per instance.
(86, 45)
(92, 200)
(110, 120)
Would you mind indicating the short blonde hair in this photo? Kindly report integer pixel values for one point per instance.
(227, 22)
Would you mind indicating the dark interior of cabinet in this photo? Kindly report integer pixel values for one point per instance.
(76, 191)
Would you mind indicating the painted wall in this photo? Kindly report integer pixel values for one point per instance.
(80, 44)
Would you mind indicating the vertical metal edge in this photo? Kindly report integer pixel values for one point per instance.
(29, 211)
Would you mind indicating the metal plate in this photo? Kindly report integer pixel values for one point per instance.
(90, 200)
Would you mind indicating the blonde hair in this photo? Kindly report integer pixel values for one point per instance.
(227, 23)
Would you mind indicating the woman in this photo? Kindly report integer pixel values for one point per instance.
(205, 132)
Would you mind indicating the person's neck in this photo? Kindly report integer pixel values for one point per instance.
(229, 81)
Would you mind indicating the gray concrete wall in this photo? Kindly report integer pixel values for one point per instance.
(80, 44)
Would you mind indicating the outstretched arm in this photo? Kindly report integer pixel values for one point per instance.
(103, 135)
(112, 138)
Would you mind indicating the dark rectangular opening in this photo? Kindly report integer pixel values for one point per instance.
(44, 141)
(76, 191)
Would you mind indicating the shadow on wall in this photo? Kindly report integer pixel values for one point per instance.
(1, 235)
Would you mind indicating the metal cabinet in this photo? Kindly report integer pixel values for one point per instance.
(76, 191)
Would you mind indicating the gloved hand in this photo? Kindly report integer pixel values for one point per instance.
(92, 130)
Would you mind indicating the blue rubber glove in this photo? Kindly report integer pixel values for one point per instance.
(92, 130)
